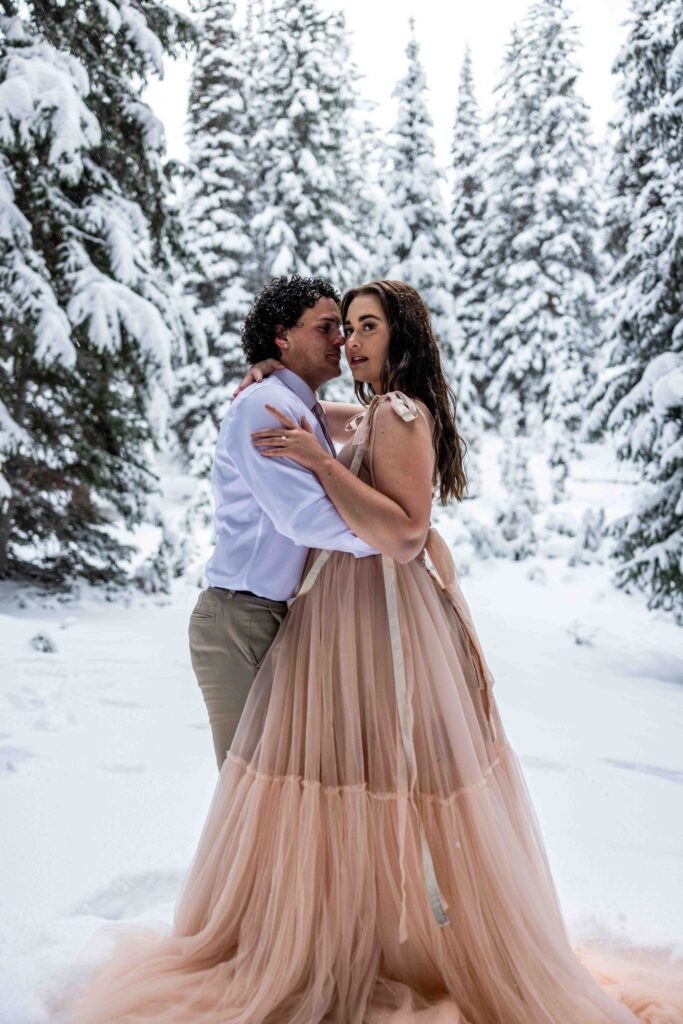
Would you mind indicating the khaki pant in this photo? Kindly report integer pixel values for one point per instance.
(230, 634)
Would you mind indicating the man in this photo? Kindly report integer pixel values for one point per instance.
(268, 512)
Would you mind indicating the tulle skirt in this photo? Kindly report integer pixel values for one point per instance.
(371, 852)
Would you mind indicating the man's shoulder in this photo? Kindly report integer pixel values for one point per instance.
(250, 403)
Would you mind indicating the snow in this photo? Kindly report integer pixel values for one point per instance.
(667, 391)
(110, 14)
(107, 769)
(42, 94)
(675, 69)
(154, 131)
(145, 40)
(107, 306)
(52, 331)
(524, 164)
(11, 434)
(13, 29)
(122, 225)
(12, 220)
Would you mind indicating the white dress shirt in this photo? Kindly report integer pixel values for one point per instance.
(269, 511)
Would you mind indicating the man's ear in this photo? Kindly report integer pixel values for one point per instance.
(281, 336)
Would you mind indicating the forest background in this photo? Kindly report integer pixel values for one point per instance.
(551, 264)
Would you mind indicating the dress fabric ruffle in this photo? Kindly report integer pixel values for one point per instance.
(371, 853)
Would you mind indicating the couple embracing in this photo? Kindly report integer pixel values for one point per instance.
(371, 853)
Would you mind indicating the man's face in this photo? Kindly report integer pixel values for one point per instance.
(315, 343)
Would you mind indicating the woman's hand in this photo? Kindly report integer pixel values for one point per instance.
(291, 440)
(257, 372)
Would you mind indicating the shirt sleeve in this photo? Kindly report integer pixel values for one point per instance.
(289, 494)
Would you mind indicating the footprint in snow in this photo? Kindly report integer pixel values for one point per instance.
(544, 763)
(12, 757)
(42, 705)
(124, 769)
(113, 702)
(665, 668)
(670, 774)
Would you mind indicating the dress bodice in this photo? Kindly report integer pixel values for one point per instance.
(357, 453)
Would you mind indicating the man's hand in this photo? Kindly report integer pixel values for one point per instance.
(257, 372)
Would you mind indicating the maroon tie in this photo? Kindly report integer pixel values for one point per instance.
(317, 411)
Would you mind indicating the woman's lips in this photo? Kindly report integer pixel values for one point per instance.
(355, 360)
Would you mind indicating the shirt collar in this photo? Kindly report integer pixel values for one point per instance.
(298, 385)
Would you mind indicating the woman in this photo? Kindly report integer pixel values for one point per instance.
(371, 853)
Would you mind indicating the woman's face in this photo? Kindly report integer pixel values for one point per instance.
(367, 334)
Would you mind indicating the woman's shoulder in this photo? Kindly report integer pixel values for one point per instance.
(406, 406)
(383, 408)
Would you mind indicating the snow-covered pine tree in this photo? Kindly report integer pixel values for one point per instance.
(218, 201)
(467, 220)
(506, 212)
(558, 461)
(568, 200)
(254, 34)
(89, 311)
(218, 211)
(540, 329)
(417, 241)
(469, 291)
(589, 538)
(306, 100)
(514, 517)
(639, 396)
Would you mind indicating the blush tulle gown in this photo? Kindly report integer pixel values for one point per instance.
(371, 853)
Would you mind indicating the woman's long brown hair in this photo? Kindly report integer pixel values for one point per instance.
(413, 366)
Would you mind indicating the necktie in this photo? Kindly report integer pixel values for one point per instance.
(317, 411)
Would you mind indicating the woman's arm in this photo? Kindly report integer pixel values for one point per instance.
(393, 516)
(336, 414)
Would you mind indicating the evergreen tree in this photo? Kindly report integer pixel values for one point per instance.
(558, 462)
(540, 326)
(589, 538)
(467, 224)
(218, 211)
(218, 201)
(418, 247)
(467, 227)
(507, 210)
(639, 396)
(90, 316)
(305, 99)
(514, 517)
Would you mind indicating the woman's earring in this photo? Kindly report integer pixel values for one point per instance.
(285, 344)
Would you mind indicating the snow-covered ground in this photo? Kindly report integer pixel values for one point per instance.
(107, 769)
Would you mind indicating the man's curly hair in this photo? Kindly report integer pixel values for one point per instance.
(282, 302)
